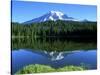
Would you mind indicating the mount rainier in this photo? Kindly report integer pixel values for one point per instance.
(52, 15)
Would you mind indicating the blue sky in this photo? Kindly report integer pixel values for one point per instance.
(23, 11)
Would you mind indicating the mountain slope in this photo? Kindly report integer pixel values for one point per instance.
(52, 15)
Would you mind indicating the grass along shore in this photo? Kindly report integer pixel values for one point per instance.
(37, 68)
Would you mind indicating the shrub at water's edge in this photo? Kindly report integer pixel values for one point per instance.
(45, 69)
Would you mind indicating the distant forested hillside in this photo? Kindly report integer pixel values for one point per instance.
(56, 29)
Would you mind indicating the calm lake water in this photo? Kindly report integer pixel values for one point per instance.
(53, 44)
(55, 52)
(24, 57)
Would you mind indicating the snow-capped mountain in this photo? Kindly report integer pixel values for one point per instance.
(85, 20)
(52, 15)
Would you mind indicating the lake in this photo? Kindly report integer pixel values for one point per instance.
(24, 57)
(55, 52)
(54, 44)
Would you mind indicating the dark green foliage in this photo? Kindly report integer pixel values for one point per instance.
(56, 29)
(55, 35)
(52, 44)
(45, 69)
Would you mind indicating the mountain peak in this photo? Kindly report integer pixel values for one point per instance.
(51, 15)
(56, 12)
(55, 15)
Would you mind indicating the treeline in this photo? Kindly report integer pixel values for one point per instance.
(55, 29)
